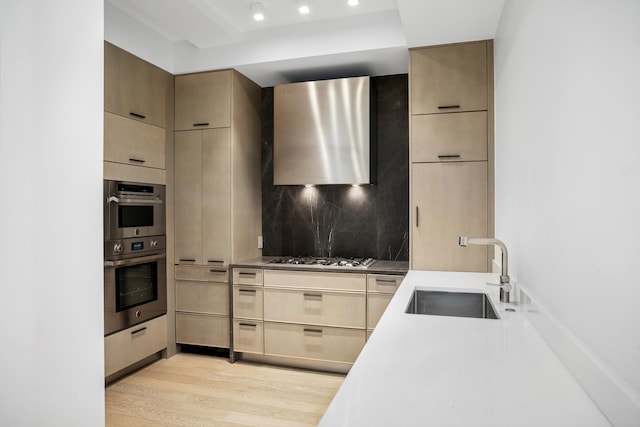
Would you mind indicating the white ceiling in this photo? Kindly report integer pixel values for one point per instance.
(334, 40)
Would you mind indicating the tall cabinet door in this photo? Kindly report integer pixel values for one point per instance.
(450, 200)
(216, 196)
(188, 197)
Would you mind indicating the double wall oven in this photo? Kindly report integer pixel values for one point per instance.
(135, 260)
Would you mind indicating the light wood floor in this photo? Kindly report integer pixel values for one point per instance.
(195, 390)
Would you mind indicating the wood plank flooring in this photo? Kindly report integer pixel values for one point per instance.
(197, 390)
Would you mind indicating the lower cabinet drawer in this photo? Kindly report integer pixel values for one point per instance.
(202, 329)
(202, 297)
(134, 344)
(248, 336)
(376, 305)
(315, 307)
(313, 342)
(247, 302)
(211, 273)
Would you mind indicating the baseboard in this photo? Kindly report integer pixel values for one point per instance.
(615, 397)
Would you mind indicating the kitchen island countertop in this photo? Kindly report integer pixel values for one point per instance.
(422, 370)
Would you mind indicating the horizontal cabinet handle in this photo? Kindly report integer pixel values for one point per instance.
(217, 270)
(247, 291)
(386, 281)
(445, 107)
(242, 273)
(137, 331)
(200, 124)
(248, 325)
(313, 331)
(187, 260)
(140, 116)
(449, 156)
(215, 261)
(131, 159)
(318, 296)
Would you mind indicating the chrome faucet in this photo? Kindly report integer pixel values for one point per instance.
(505, 281)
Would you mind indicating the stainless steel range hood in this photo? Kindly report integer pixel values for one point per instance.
(322, 132)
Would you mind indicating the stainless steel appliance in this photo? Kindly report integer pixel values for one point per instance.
(133, 210)
(324, 261)
(135, 260)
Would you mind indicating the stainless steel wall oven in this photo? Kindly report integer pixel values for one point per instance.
(135, 265)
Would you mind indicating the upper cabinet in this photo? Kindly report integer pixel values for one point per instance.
(203, 100)
(449, 78)
(134, 88)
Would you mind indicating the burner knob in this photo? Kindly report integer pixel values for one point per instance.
(117, 248)
(154, 243)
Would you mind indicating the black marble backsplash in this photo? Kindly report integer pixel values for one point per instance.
(341, 220)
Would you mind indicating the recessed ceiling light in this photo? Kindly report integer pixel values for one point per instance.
(258, 11)
(353, 2)
(303, 7)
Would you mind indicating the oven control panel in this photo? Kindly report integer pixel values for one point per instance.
(136, 246)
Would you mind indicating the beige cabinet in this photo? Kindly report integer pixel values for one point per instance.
(451, 155)
(135, 88)
(203, 196)
(131, 142)
(449, 78)
(248, 310)
(203, 100)
(202, 305)
(380, 291)
(131, 345)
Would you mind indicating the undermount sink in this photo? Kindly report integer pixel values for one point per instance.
(459, 304)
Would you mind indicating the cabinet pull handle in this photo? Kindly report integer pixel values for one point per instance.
(417, 217)
(217, 270)
(312, 330)
(215, 261)
(187, 260)
(318, 296)
(249, 325)
(449, 156)
(131, 159)
(444, 107)
(386, 281)
(247, 291)
(200, 124)
(137, 331)
(243, 273)
(140, 116)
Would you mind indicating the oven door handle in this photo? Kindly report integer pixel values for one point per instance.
(132, 261)
(116, 199)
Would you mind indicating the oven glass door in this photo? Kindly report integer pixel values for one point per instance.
(136, 285)
(135, 216)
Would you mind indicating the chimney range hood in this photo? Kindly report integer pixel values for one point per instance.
(322, 132)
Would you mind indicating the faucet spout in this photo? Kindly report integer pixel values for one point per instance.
(505, 281)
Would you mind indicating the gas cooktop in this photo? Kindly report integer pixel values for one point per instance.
(324, 261)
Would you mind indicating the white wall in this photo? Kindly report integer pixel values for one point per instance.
(51, 314)
(568, 168)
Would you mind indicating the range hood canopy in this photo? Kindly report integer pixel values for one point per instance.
(322, 132)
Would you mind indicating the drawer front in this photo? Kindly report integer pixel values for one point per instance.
(248, 336)
(247, 302)
(313, 342)
(202, 329)
(449, 137)
(210, 273)
(247, 276)
(376, 304)
(132, 142)
(315, 280)
(383, 283)
(202, 297)
(133, 344)
(315, 307)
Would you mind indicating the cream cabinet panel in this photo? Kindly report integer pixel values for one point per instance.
(248, 276)
(449, 78)
(313, 342)
(315, 280)
(132, 142)
(376, 305)
(188, 197)
(248, 336)
(216, 196)
(449, 137)
(203, 100)
(383, 283)
(202, 273)
(202, 297)
(201, 329)
(127, 347)
(135, 88)
(449, 200)
(248, 302)
(314, 307)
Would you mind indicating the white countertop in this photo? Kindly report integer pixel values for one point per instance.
(422, 370)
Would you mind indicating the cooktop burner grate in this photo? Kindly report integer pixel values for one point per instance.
(323, 261)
